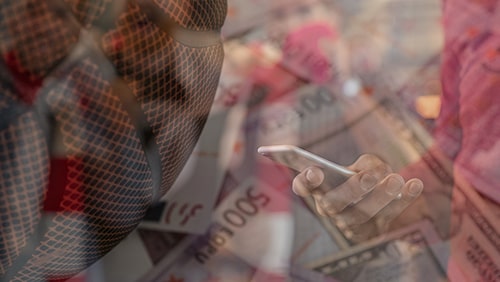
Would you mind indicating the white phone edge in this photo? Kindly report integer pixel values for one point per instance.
(263, 150)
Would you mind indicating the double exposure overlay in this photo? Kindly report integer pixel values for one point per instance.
(190, 140)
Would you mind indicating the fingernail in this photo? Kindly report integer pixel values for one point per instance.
(393, 185)
(312, 177)
(367, 181)
(415, 188)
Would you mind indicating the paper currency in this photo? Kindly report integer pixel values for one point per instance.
(385, 45)
(474, 251)
(244, 15)
(424, 83)
(331, 124)
(300, 274)
(188, 206)
(332, 40)
(159, 244)
(304, 40)
(334, 125)
(390, 38)
(402, 256)
(475, 242)
(250, 236)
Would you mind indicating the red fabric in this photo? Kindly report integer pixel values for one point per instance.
(57, 185)
(64, 183)
(78, 278)
(26, 84)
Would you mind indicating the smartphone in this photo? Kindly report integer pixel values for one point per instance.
(299, 159)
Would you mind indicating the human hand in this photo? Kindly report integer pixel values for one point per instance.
(364, 204)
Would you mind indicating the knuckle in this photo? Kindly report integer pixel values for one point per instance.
(368, 162)
(385, 168)
(370, 159)
(381, 170)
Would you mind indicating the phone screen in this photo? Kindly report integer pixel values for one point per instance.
(299, 159)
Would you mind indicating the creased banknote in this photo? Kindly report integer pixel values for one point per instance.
(475, 241)
(401, 256)
(250, 237)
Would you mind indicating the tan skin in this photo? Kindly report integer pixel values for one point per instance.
(364, 205)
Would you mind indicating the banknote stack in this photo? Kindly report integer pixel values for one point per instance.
(339, 78)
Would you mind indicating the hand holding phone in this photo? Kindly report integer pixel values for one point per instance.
(361, 200)
(299, 159)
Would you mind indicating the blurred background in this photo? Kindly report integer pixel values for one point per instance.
(338, 78)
